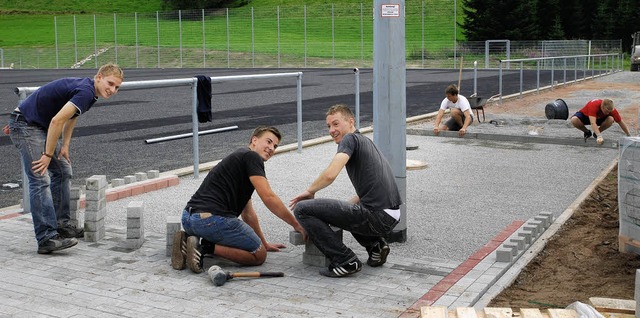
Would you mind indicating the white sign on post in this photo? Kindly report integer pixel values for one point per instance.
(390, 10)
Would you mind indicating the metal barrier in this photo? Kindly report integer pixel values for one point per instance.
(591, 63)
(192, 83)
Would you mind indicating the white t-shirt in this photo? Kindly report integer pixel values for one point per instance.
(462, 104)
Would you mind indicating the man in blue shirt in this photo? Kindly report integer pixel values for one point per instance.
(35, 128)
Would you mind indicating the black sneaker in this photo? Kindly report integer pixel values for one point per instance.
(179, 251)
(69, 231)
(194, 254)
(587, 135)
(56, 243)
(344, 270)
(378, 253)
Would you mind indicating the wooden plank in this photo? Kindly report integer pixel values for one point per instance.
(433, 312)
(497, 312)
(562, 313)
(530, 313)
(622, 306)
(466, 312)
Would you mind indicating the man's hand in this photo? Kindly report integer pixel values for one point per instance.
(301, 230)
(462, 131)
(274, 247)
(302, 196)
(600, 140)
(436, 130)
(41, 165)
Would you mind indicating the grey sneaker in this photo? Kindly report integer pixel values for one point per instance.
(194, 254)
(342, 270)
(179, 251)
(56, 243)
(378, 253)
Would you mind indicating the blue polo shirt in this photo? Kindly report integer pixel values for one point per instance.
(43, 104)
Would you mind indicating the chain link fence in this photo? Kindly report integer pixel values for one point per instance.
(291, 36)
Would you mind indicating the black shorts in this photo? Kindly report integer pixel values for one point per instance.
(453, 125)
(585, 119)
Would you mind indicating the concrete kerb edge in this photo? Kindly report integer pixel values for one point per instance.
(536, 247)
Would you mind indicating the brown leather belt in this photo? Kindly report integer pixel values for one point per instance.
(203, 215)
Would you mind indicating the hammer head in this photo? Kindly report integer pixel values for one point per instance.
(217, 275)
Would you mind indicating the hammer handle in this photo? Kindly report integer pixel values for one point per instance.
(257, 274)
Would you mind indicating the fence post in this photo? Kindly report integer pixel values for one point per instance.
(158, 34)
(180, 33)
(95, 43)
(75, 39)
(55, 30)
(135, 18)
(305, 35)
(278, 33)
(115, 36)
(253, 41)
(204, 45)
(228, 48)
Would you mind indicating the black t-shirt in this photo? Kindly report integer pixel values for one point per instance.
(226, 189)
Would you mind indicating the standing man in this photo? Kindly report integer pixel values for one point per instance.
(369, 216)
(224, 195)
(461, 116)
(35, 128)
(600, 114)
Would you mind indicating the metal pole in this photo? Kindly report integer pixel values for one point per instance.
(333, 37)
(357, 75)
(455, 40)
(180, 33)
(135, 18)
(75, 38)
(253, 41)
(194, 125)
(475, 78)
(55, 30)
(538, 76)
(389, 97)
(204, 44)
(299, 107)
(158, 34)
(228, 48)
(278, 35)
(361, 35)
(115, 36)
(186, 135)
(95, 42)
(521, 77)
(422, 33)
(305, 35)
(500, 79)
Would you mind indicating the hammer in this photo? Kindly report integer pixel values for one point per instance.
(219, 276)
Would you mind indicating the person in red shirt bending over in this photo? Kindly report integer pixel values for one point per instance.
(600, 114)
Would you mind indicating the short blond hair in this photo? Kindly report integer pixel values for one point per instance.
(110, 69)
(607, 104)
(342, 109)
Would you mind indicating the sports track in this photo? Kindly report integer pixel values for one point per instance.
(110, 138)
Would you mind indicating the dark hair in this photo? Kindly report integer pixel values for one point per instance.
(451, 90)
(342, 109)
(260, 130)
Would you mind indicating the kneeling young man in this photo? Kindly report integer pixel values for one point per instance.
(600, 114)
(369, 216)
(460, 111)
(210, 219)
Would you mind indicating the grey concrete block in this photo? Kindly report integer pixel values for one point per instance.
(134, 233)
(296, 238)
(135, 209)
(96, 205)
(504, 255)
(133, 223)
(94, 236)
(93, 226)
(141, 176)
(518, 241)
(315, 260)
(133, 244)
(531, 228)
(548, 215)
(539, 226)
(96, 182)
(152, 174)
(117, 182)
(513, 247)
(95, 215)
(311, 249)
(75, 193)
(95, 195)
(526, 235)
(129, 179)
(74, 205)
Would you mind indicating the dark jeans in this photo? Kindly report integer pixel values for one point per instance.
(367, 227)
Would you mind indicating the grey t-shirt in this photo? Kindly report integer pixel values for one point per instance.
(370, 173)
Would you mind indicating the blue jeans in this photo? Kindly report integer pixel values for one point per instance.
(222, 230)
(366, 226)
(48, 193)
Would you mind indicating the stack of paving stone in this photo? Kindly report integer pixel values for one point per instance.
(312, 255)
(629, 195)
(74, 205)
(135, 225)
(95, 208)
(174, 224)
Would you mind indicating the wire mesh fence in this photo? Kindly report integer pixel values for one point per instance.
(290, 36)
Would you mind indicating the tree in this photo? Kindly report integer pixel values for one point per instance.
(499, 19)
(202, 4)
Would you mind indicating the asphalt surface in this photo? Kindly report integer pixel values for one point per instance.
(109, 139)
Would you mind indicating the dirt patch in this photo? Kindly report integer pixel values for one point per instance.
(580, 261)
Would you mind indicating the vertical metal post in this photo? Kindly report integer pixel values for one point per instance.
(537, 77)
(278, 35)
(455, 30)
(521, 77)
(500, 79)
(422, 33)
(299, 107)
(333, 37)
(135, 18)
(115, 36)
(75, 38)
(305, 35)
(95, 43)
(204, 44)
(55, 30)
(158, 34)
(357, 93)
(552, 71)
(475, 78)
(389, 96)
(180, 33)
(228, 47)
(194, 125)
(575, 69)
(253, 41)
(361, 35)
